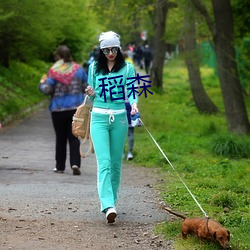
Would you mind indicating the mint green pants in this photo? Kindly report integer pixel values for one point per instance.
(108, 136)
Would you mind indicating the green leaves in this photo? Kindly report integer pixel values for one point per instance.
(28, 33)
(230, 146)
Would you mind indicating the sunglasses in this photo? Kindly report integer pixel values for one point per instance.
(106, 51)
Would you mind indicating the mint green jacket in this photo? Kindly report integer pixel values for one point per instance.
(113, 89)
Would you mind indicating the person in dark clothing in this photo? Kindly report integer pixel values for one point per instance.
(93, 55)
(138, 56)
(65, 83)
(147, 54)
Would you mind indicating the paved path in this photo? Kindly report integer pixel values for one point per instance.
(31, 191)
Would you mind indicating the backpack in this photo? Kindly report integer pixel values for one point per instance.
(81, 126)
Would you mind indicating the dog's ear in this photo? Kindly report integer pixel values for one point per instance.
(214, 235)
(228, 237)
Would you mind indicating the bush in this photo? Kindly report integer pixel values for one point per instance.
(231, 146)
(224, 200)
(19, 88)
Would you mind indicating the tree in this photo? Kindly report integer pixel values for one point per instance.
(223, 38)
(201, 99)
(159, 44)
(128, 18)
(23, 33)
(28, 33)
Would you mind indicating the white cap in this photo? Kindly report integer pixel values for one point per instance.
(109, 39)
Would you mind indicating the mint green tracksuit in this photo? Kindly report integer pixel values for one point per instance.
(109, 129)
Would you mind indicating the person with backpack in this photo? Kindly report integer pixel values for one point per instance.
(65, 83)
(108, 88)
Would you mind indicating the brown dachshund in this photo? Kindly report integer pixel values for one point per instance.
(204, 229)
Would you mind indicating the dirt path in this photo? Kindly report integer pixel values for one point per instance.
(43, 210)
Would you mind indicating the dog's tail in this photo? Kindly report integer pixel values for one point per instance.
(175, 213)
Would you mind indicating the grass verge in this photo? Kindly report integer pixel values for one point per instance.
(19, 89)
(214, 164)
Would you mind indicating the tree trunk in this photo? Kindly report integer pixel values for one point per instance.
(223, 38)
(233, 97)
(201, 99)
(159, 46)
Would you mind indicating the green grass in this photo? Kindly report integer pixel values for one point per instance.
(19, 88)
(214, 164)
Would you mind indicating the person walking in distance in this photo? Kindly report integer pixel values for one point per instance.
(131, 130)
(65, 83)
(108, 85)
(147, 54)
(130, 127)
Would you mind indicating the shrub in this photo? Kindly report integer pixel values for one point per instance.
(224, 200)
(231, 146)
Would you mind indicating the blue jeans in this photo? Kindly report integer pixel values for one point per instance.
(108, 139)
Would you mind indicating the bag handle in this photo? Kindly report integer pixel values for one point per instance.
(86, 138)
(83, 155)
(85, 99)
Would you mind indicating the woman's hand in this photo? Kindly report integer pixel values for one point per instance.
(134, 109)
(90, 91)
(43, 79)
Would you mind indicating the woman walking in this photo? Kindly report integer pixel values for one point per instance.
(108, 88)
(65, 84)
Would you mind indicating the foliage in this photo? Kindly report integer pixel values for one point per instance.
(127, 15)
(242, 37)
(241, 17)
(19, 88)
(219, 183)
(243, 60)
(41, 30)
(230, 146)
(175, 25)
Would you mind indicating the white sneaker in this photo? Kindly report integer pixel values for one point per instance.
(129, 156)
(58, 171)
(111, 214)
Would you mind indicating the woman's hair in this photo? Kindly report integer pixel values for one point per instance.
(63, 52)
(101, 64)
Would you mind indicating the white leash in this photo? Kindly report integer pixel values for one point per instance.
(174, 170)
